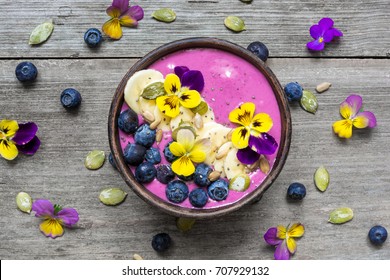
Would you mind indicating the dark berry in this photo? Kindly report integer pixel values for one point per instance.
(161, 242)
(377, 235)
(145, 136)
(293, 91)
(296, 191)
(93, 37)
(259, 49)
(26, 72)
(134, 154)
(176, 191)
(186, 178)
(153, 155)
(70, 98)
(201, 175)
(111, 160)
(218, 190)
(128, 121)
(164, 173)
(168, 154)
(198, 198)
(145, 172)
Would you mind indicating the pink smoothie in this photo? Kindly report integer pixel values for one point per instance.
(229, 82)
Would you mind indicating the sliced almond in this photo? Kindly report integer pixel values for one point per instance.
(159, 135)
(264, 164)
(223, 150)
(229, 135)
(323, 87)
(137, 257)
(214, 176)
(155, 123)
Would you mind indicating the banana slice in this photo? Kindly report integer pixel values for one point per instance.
(232, 165)
(136, 84)
(209, 116)
(185, 115)
(203, 132)
(218, 166)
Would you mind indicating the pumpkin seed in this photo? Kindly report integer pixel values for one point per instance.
(321, 178)
(155, 124)
(239, 183)
(175, 131)
(201, 109)
(223, 150)
(309, 102)
(95, 159)
(153, 91)
(340, 215)
(184, 224)
(112, 196)
(147, 116)
(24, 202)
(214, 176)
(234, 23)
(41, 33)
(264, 165)
(137, 257)
(164, 15)
(323, 87)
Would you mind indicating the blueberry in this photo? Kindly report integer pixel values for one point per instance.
(128, 121)
(145, 136)
(296, 191)
(176, 191)
(134, 154)
(70, 98)
(161, 242)
(293, 91)
(198, 197)
(186, 178)
(201, 175)
(259, 49)
(26, 72)
(218, 190)
(153, 155)
(377, 235)
(145, 172)
(111, 160)
(164, 173)
(168, 154)
(93, 37)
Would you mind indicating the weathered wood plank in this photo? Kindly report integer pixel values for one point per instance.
(358, 169)
(282, 25)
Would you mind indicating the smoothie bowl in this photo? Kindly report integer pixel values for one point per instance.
(199, 128)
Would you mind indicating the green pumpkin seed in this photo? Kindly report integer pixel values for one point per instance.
(41, 33)
(340, 215)
(95, 160)
(309, 102)
(24, 202)
(184, 224)
(235, 23)
(153, 90)
(201, 109)
(164, 15)
(176, 130)
(239, 183)
(112, 196)
(321, 178)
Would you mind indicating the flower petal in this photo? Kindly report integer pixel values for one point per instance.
(135, 12)
(326, 23)
(51, 228)
(355, 101)
(8, 150)
(262, 122)
(291, 245)
(240, 137)
(190, 98)
(113, 12)
(25, 133)
(197, 156)
(328, 36)
(270, 237)
(343, 128)
(43, 207)
(169, 105)
(172, 84)
(180, 70)
(243, 114)
(282, 232)
(123, 5)
(31, 147)
(296, 230)
(265, 144)
(68, 216)
(281, 252)
(346, 110)
(112, 28)
(193, 79)
(247, 156)
(364, 119)
(9, 127)
(316, 31)
(177, 149)
(183, 166)
(200, 150)
(186, 138)
(315, 45)
(337, 32)
(128, 21)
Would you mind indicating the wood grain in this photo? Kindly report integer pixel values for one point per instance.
(358, 168)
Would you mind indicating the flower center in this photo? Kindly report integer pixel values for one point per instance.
(2, 136)
(321, 39)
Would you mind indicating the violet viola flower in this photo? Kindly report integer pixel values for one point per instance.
(15, 138)
(323, 32)
(54, 217)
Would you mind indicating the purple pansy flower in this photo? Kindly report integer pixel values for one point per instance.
(192, 79)
(264, 144)
(323, 32)
(54, 217)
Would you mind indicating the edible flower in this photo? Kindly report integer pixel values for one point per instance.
(188, 152)
(121, 15)
(323, 32)
(284, 239)
(183, 89)
(351, 111)
(15, 138)
(54, 217)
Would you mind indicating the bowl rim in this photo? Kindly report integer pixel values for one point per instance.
(149, 59)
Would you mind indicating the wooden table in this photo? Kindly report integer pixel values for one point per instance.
(359, 167)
